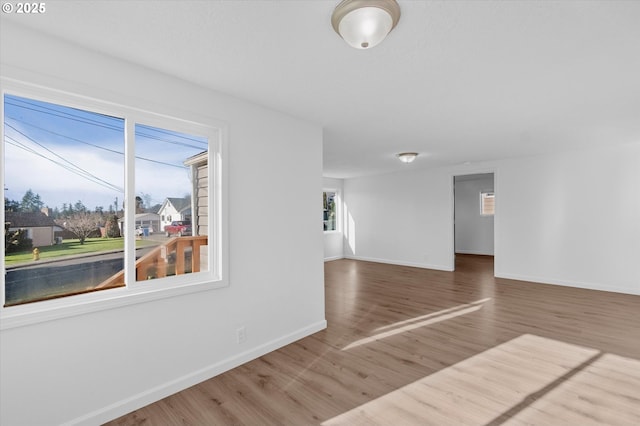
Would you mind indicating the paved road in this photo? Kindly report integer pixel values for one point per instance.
(42, 280)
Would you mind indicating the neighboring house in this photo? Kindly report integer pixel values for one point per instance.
(150, 221)
(174, 209)
(40, 227)
(200, 174)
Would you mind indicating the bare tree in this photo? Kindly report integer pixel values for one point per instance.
(82, 224)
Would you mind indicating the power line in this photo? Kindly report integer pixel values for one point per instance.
(59, 112)
(116, 128)
(60, 157)
(170, 133)
(80, 170)
(62, 114)
(11, 141)
(60, 109)
(94, 145)
(168, 141)
(91, 178)
(76, 117)
(65, 136)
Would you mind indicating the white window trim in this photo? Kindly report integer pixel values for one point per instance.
(134, 292)
(338, 210)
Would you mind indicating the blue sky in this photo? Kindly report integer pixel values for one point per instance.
(65, 155)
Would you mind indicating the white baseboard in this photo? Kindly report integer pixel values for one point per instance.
(147, 397)
(567, 283)
(476, 252)
(402, 263)
(329, 259)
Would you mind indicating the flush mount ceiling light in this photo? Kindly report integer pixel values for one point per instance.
(407, 157)
(365, 23)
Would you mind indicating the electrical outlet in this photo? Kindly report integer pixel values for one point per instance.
(241, 334)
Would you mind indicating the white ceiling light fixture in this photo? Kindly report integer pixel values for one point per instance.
(365, 23)
(407, 157)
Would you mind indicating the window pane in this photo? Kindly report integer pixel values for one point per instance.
(64, 186)
(329, 213)
(172, 206)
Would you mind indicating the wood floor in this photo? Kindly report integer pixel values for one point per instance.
(407, 346)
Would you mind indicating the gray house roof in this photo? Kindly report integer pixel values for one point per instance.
(180, 204)
(28, 220)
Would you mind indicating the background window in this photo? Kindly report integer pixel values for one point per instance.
(329, 211)
(487, 203)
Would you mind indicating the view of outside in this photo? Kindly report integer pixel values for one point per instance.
(329, 215)
(64, 197)
(165, 180)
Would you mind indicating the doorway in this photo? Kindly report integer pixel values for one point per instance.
(473, 215)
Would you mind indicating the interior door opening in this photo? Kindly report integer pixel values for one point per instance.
(473, 215)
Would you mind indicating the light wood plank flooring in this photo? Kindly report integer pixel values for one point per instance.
(408, 346)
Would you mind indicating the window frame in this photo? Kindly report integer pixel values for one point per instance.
(133, 292)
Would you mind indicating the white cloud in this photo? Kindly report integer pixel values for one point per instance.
(57, 185)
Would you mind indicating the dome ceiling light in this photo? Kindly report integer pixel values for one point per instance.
(363, 24)
(407, 157)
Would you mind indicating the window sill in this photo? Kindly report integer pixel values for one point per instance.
(34, 313)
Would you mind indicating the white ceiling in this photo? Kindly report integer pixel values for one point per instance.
(456, 81)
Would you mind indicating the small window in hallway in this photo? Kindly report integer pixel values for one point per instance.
(487, 203)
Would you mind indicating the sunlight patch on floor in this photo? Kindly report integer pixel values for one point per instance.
(607, 392)
(528, 379)
(414, 323)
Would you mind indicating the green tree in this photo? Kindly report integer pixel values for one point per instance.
(113, 230)
(11, 205)
(31, 202)
(15, 241)
(79, 207)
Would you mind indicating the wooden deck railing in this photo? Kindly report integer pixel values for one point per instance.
(180, 255)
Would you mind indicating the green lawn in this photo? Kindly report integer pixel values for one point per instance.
(73, 247)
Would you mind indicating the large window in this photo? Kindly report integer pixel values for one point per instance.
(104, 199)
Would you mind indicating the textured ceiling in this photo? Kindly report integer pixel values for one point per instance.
(457, 81)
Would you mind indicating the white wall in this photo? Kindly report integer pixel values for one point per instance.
(403, 218)
(333, 239)
(93, 367)
(570, 218)
(473, 232)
